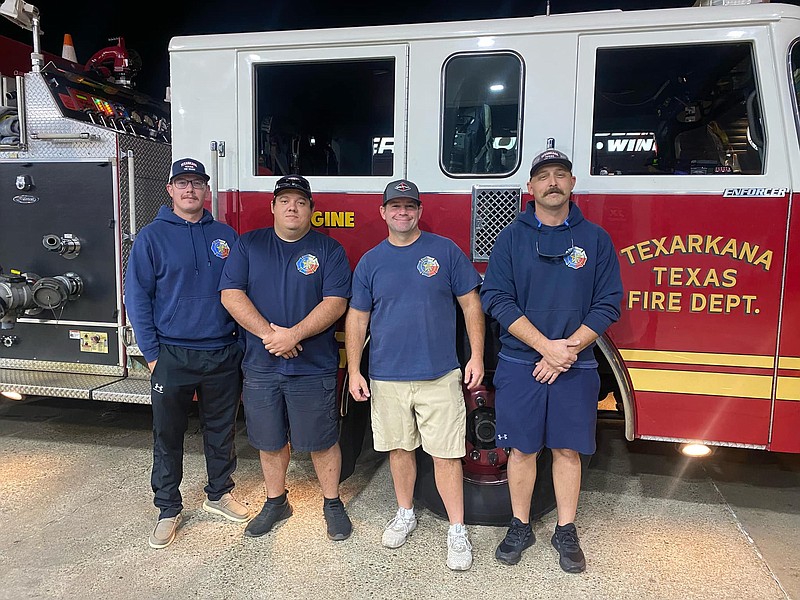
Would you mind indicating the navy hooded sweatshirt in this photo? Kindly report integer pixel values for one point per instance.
(555, 293)
(171, 284)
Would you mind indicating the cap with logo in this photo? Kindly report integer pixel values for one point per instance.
(293, 182)
(551, 156)
(402, 188)
(187, 166)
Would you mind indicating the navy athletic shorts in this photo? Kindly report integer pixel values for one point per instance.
(531, 415)
(300, 409)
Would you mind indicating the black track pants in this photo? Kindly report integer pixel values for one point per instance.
(215, 375)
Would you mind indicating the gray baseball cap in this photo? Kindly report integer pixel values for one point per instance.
(551, 156)
(402, 188)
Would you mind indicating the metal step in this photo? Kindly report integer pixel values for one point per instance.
(135, 391)
(47, 383)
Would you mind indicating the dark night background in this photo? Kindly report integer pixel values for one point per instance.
(147, 26)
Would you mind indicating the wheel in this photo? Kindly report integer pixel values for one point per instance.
(355, 429)
(486, 502)
(355, 434)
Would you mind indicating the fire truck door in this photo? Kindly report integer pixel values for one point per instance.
(690, 176)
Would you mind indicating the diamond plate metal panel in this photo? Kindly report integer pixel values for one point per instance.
(151, 162)
(44, 117)
(62, 367)
(493, 208)
(41, 383)
(135, 391)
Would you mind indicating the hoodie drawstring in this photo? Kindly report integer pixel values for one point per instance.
(194, 250)
(205, 242)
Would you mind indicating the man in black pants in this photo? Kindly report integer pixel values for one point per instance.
(189, 342)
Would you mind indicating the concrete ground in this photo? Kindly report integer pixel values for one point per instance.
(75, 512)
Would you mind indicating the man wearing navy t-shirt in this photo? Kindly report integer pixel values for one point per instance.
(553, 284)
(406, 289)
(287, 286)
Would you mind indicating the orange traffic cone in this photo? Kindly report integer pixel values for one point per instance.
(68, 50)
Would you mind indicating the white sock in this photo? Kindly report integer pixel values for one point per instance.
(406, 513)
(457, 528)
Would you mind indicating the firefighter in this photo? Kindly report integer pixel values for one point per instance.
(406, 289)
(553, 284)
(190, 344)
(287, 286)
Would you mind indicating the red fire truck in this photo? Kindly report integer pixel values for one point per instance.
(683, 128)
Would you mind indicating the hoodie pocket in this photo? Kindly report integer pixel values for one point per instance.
(199, 318)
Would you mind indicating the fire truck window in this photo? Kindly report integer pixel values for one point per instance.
(481, 114)
(795, 74)
(677, 110)
(325, 118)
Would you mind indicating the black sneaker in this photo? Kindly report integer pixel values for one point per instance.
(571, 557)
(339, 525)
(270, 514)
(519, 536)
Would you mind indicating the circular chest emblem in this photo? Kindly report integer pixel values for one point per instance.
(575, 259)
(428, 266)
(220, 248)
(307, 264)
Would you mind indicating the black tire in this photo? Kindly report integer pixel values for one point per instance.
(355, 433)
(355, 428)
(489, 503)
(485, 503)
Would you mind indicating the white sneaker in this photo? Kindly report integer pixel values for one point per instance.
(397, 530)
(459, 550)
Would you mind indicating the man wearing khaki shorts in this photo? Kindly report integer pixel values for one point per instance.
(405, 289)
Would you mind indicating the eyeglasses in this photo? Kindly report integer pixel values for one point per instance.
(182, 184)
(564, 254)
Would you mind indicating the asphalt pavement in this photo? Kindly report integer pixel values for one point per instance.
(76, 510)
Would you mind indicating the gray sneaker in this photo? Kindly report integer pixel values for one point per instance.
(164, 532)
(228, 507)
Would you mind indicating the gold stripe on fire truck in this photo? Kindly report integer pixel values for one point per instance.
(788, 388)
(734, 385)
(789, 362)
(700, 358)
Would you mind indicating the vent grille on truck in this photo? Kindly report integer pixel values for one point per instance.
(493, 208)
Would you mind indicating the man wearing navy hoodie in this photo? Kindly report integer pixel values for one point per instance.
(553, 284)
(190, 344)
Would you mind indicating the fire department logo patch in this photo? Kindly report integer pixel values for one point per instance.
(428, 266)
(220, 248)
(402, 187)
(575, 259)
(307, 264)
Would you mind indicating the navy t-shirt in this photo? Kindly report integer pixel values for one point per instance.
(410, 291)
(285, 281)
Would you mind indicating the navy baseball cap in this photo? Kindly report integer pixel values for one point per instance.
(551, 156)
(293, 182)
(402, 188)
(187, 166)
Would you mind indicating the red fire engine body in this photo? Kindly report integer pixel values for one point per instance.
(682, 125)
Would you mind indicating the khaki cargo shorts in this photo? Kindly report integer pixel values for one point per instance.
(407, 413)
